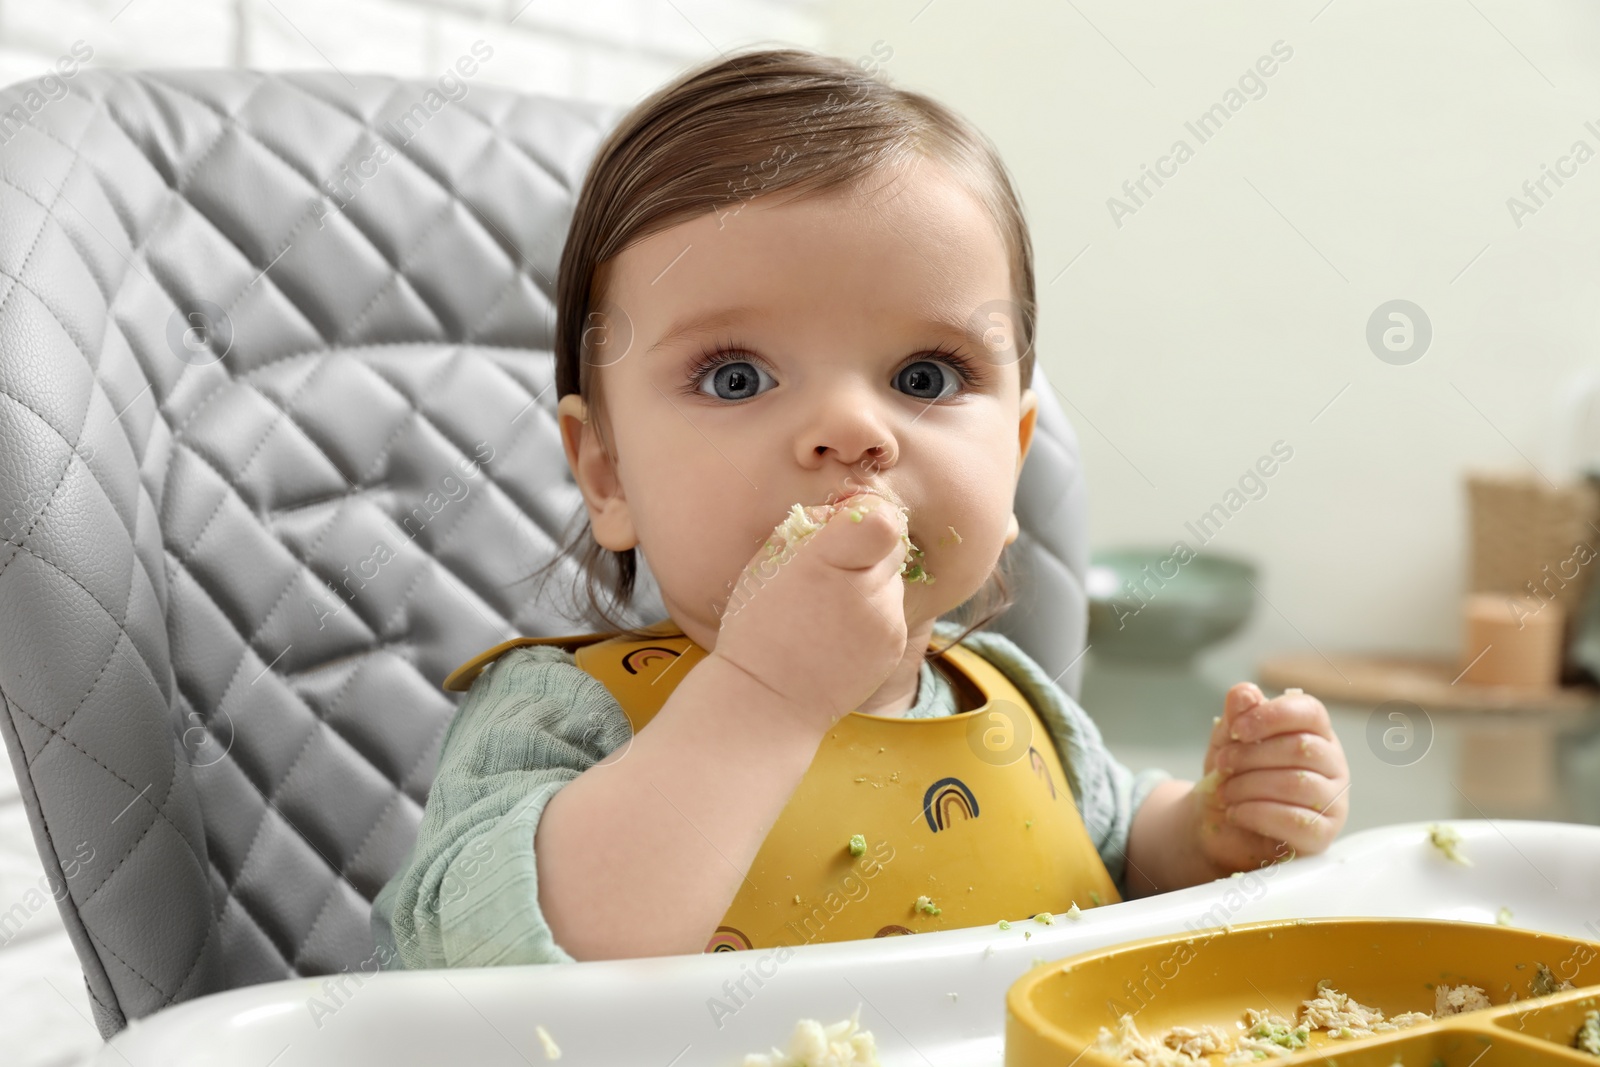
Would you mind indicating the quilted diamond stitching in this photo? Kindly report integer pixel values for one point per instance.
(268, 795)
(494, 305)
(160, 810)
(398, 273)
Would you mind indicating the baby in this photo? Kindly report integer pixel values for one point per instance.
(793, 294)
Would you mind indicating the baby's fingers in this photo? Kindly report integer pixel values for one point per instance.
(1310, 752)
(1289, 713)
(1306, 830)
(1301, 788)
(1238, 699)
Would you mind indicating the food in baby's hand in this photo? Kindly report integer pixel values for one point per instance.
(843, 1044)
(798, 525)
(795, 528)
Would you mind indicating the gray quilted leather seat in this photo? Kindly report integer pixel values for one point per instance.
(272, 459)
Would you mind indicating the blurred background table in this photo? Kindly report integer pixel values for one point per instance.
(1510, 740)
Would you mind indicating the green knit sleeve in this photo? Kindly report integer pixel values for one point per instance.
(468, 894)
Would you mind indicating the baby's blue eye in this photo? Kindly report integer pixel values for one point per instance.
(735, 380)
(927, 380)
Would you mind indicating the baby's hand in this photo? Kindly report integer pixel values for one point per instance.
(1276, 779)
(820, 619)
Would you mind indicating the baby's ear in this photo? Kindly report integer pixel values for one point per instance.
(596, 475)
(1029, 414)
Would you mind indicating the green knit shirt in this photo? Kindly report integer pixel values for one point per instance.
(468, 893)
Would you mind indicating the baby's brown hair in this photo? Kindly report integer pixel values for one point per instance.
(745, 124)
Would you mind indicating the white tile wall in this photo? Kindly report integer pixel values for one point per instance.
(611, 51)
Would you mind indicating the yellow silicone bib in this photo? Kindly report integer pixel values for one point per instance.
(971, 811)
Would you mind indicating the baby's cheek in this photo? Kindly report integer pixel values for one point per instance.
(965, 547)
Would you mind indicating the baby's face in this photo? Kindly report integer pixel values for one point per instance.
(850, 361)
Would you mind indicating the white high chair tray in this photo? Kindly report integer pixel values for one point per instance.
(934, 999)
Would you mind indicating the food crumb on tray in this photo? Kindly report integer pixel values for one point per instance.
(1447, 839)
(842, 1044)
(547, 1043)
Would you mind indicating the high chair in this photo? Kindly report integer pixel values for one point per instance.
(279, 443)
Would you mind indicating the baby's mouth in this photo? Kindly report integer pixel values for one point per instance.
(799, 525)
(911, 567)
(884, 491)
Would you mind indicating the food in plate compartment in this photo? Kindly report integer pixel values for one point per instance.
(1544, 983)
(1588, 1039)
(1266, 1035)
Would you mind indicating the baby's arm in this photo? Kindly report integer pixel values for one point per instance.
(642, 854)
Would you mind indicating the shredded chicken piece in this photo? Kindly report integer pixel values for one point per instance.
(841, 1044)
(1455, 999)
(1588, 1039)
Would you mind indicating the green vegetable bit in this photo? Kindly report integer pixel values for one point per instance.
(1544, 983)
(924, 904)
(911, 569)
(1281, 1034)
(858, 844)
(1447, 839)
(1004, 925)
(1096, 898)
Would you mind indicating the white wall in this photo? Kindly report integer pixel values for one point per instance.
(1231, 308)
(607, 50)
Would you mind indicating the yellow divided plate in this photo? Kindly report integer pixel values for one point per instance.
(1054, 1012)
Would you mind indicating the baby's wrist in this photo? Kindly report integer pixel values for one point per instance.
(753, 695)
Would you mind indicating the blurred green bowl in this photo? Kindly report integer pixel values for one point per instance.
(1173, 609)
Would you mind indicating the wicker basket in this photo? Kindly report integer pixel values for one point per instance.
(1532, 540)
